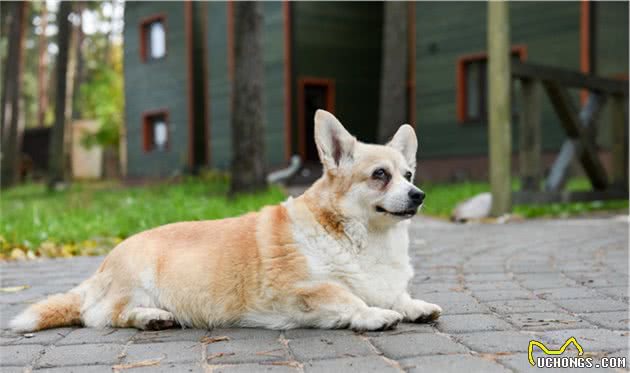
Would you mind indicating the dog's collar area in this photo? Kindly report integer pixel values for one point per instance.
(402, 214)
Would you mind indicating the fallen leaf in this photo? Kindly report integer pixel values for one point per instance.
(13, 289)
(209, 340)
(220, 354)
(143, 363)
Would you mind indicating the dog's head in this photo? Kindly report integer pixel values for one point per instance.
(371, 182)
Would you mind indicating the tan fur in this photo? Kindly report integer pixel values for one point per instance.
(58, 310)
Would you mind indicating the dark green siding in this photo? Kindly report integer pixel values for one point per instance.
(611, 51)
(341, 41)
(220, 84)
(446, 31)
(155, 85)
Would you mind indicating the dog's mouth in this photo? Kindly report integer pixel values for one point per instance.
(402, 214)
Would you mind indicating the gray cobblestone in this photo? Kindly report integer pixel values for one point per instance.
(87, 354)
(167, 352)
(451, 364)
(19, 355)
(471, 323)
(322, 347)
(499, 286)
(414, 344)
(547, 321)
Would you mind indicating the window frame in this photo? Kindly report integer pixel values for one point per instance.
(147, 129)
(463, 61)
(144, 31)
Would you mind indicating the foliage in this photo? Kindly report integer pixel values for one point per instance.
(90, 218)
(102, 98)
(442, 199)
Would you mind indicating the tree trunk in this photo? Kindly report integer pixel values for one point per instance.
(248, 128)
(12, 126)
(393, 102)
(499, 107)
(56, 158)
(42, 79)
(78, 62)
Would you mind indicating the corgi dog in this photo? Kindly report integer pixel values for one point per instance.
(335, 257)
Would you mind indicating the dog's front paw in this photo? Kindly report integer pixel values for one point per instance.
(420, 311)
(374, 319)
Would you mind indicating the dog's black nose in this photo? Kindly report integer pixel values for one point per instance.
(416, 196)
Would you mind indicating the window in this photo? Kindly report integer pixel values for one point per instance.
(472, 90)
(153, 38)
(156, 134)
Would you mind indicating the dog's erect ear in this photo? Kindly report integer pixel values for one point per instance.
(334, 144)
(406, 142)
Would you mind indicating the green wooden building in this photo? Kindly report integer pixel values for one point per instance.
(179, 67)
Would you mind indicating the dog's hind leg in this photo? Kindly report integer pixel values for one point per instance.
(329, 305)
(144, 318)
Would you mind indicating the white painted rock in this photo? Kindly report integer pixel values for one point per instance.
(477, 207)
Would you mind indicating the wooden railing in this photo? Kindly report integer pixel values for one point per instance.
(580, 127)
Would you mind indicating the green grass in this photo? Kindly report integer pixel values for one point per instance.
(90, 218)
(88, 213)
(442, 199)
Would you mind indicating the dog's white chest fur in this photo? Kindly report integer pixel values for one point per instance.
(374, 265)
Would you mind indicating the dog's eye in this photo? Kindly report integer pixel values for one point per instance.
(408, 175)
(380, 174)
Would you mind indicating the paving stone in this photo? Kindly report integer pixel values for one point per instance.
(79, 369)
(496, 342)
(282, 367)
(323, 333)
(329, 348)
(450, 364)
(619, 292)
(415, 344)
(43, 337)
(470, 323)
(169, 352)
(488, 277)
(170, 335)
(246, 333)
(495, 285)
(19, 355)
(404, 328)
(591, 340)
(491, 295)
(86, 355)
(245, 351)
(591, 305)
(165, 367)
(92, 335)
(351, 365)
(617, 320)
(547, 321)
(521, 306)
(465, 307)
(566, 293)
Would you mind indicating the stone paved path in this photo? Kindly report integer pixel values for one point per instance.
(500, 286)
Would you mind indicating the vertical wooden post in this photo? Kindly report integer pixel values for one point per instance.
(529, 135)
(619, 142)
(499, 106)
